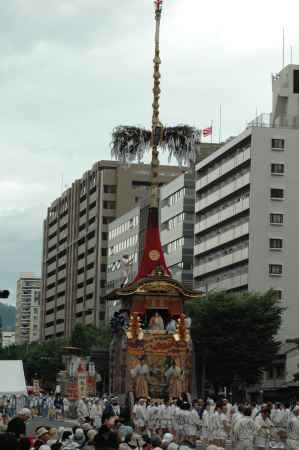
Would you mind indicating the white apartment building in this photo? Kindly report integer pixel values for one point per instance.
(247, 206)
(28, 290)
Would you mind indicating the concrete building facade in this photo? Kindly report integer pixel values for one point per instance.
(8, 338)
(35, 317)
(75, 245)
(247, 206)
(177, 202)
(28, 289)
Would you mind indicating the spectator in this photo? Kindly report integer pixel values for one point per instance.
(17, 425)
(90, 440)
(8, 441)
(57, 446)
(42, 435)
(107, 438)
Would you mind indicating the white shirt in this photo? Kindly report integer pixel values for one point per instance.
(293, 427)
(244, 428)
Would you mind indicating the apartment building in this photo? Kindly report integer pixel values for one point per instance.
(8, 338)
(177, 202)
(247, 206)
(123, 253)
(75, 243)
(28, 289)
(35, 317)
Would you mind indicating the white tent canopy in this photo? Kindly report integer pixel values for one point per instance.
(12, 379)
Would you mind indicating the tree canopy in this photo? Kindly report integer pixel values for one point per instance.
(87, 337)
(46, 358)
(235, 335)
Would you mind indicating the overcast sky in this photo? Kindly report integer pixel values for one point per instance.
(71, 70)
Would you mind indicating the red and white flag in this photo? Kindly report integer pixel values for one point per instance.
(207, 131)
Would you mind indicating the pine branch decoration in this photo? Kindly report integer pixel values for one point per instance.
(132, 143)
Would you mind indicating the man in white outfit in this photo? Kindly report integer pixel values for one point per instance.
(264, 427)
(220, 425)
(165, 417)
(140, 416)
(293, 430)
(244, 431)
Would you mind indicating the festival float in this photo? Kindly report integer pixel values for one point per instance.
(151, 353)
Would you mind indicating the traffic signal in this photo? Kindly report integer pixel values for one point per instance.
(4, 293)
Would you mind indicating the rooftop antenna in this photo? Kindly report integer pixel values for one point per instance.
(291, 54)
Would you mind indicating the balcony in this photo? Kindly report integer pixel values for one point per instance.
(51, 279)
(224, 169)
(222, 192)
(50, 305)
(60, 328)
(222, 238)
(221, 262)
(49, 331)
(233, 210)
(234, 282)
(59, 314)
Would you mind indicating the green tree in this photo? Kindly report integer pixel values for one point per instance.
(46, 358)
(88, 337)
(235, 335)
(43, 359)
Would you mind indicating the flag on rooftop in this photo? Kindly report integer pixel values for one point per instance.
(207, 131)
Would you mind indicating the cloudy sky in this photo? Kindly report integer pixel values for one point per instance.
(70, 70)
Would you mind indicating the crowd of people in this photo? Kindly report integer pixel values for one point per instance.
(179, 424)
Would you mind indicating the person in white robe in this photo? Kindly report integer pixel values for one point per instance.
(264, 428)
(244, 430)
(140, 416)
(165, 417)
(96, 413)
(152, 417)
(193, 425)
(220, 425)
(293, 430)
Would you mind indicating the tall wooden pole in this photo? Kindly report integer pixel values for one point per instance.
(157, 129)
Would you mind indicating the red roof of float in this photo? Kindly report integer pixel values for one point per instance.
(153, 260)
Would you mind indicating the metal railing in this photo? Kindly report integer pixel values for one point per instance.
(267, 120)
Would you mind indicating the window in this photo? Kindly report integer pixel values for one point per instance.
(109, 189)
(276, 193)
(275, 269)
(277, 169)
(104, 236)
(275, 244)
(278, 144)
(107, 220)
(278, 294)
(104, 252)
(276, 219)
(296, 82)
(109, 205)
